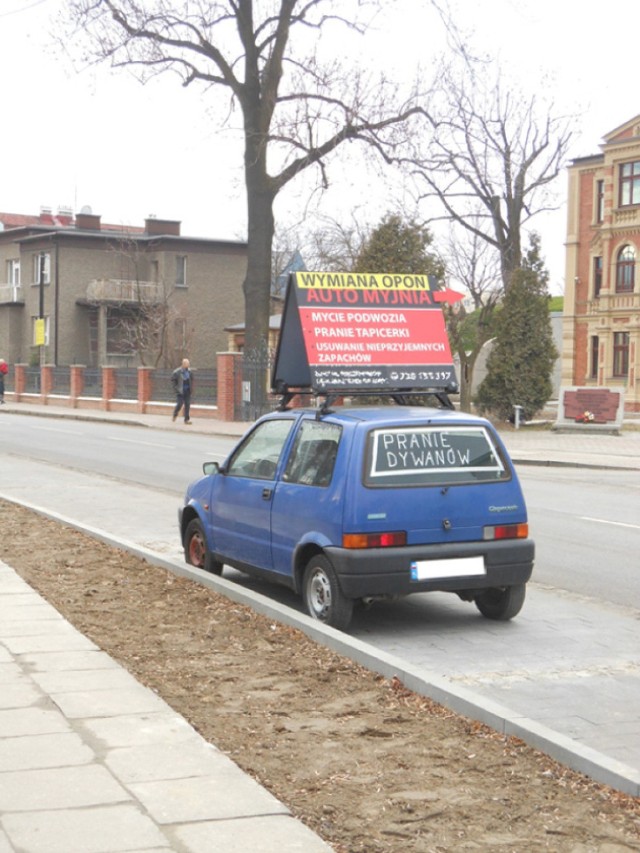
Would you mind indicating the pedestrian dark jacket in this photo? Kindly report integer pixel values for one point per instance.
(177, 380)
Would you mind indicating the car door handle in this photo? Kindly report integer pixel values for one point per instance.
(266, 494)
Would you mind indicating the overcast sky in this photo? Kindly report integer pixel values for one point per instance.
(128, 151)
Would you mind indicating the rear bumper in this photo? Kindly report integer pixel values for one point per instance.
(387, 571)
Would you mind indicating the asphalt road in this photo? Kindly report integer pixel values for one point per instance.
(586, 525)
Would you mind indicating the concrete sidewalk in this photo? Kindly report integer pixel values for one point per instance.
(548, 447)
(93, 762)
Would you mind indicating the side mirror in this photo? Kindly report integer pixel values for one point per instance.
(211, 468)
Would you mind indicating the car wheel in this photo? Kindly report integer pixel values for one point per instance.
(322, 595)
(196, 552)
(501, 603)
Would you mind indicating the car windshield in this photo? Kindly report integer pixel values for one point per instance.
(432, 455)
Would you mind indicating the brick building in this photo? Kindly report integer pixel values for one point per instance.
(76, 291)
(601, 322)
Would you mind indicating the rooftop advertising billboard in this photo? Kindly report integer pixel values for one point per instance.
(365, 332)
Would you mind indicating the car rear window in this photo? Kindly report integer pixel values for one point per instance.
(432, 455)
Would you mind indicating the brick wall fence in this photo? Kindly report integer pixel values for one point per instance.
(38, 385)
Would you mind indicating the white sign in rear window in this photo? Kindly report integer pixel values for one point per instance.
(412, 454)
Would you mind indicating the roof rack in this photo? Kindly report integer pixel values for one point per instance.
(406, 397)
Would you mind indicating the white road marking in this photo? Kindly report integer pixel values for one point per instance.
(145, 443)
(54, 429)
(606, 521)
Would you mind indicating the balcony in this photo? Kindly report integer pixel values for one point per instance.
(11, 294)
(115, 290)
(615, 303)
(623, 217)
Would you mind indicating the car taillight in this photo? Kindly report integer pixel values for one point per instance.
(507, 531)
(374, 540)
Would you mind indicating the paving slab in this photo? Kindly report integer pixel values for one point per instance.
(59, 787)
(78, 681)
(271, 834)
(108, 703)
(67, 641)
(171, 760)
(108, 829)
(87, 659)
(42, 751)
(32, 721)
(226, 793)
(137, 729)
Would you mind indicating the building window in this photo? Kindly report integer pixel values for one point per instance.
(599, 201)
(181, 270)
(13, 273)
(625, 270)
(34, 332)
(621, 353)
(630, 183)
(595, 351)
(42, 268)
(597, 277)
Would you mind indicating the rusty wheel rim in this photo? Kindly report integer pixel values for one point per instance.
(196, 551)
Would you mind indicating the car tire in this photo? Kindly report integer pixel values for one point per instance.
(322, 596)
(501, 603)
(196, 552)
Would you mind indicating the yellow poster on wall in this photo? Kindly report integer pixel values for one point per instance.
(39, 332)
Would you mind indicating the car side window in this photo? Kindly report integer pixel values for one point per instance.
(258, 455)
(313, 455)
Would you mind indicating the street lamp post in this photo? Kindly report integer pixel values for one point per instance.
(42, 268)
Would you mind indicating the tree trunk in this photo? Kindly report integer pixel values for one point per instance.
(467, 367)
(257, 286)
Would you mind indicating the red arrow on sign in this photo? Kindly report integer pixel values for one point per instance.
(447, 295)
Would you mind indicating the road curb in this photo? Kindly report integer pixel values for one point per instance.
(552, 463)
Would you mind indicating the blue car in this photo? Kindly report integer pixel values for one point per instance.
(365, 503)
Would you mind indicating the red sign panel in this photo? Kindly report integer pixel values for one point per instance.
(365, 331)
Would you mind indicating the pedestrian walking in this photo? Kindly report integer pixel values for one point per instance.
(182, 381)
(4, 369)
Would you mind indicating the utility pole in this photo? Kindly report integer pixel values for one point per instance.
(40, 336)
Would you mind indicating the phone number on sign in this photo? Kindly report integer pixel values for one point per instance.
(418, 375)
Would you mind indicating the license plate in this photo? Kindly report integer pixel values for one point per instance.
(427, 570)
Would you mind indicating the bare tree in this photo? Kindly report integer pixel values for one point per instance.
(334, 245)
(473, 263)
(491, 160)
(143, 319)
(145, 328)
(296, 108)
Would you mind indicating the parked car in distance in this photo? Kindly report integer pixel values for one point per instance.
(366, 503)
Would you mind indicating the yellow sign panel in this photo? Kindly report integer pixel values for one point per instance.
(40, 332)
(361, 281)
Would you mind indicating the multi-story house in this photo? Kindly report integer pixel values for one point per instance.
(74, 290)
(601, 324)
